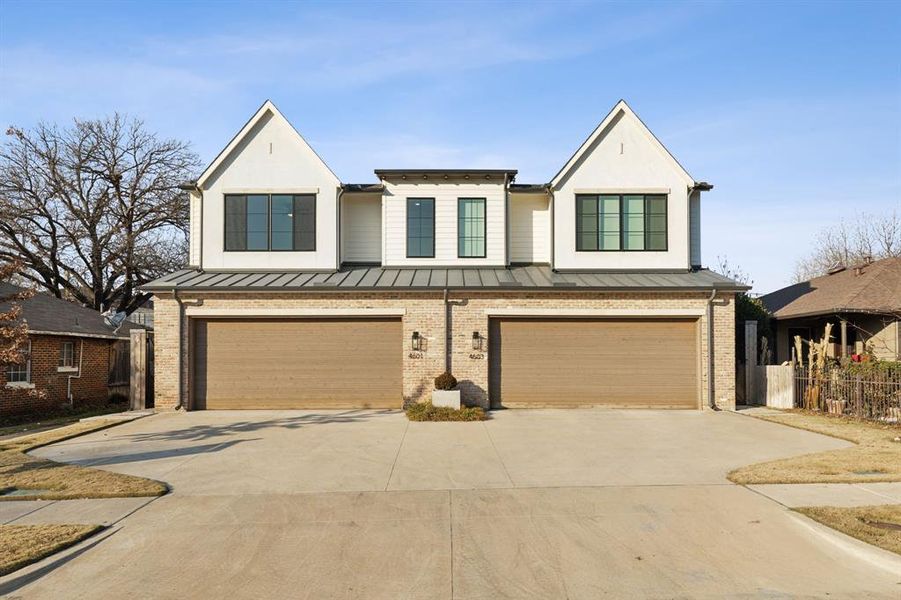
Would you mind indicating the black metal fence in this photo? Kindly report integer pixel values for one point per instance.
(872, 394)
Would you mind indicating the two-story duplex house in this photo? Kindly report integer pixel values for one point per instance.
(306, 292)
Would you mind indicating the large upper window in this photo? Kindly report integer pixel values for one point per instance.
(277, 222)
(471, 227)
(420, 227)
(630, 222)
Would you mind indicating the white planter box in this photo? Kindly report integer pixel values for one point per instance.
(450, 398)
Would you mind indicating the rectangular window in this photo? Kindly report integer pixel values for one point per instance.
(471, 227)
(20, 372)
(280, 222)
(67, 354)
(628, 222)
(420, 228)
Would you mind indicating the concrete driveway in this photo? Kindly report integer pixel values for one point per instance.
(531, 504)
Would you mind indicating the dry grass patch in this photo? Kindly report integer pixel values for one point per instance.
(22, 545)
(426, 411)
(877, 525)
(56, 481)
(876, 457)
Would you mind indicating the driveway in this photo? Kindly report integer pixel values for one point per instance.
(531, 504)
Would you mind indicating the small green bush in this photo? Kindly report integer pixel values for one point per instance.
(445, 381)
(425, 411)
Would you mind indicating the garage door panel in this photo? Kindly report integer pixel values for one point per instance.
(584, 362)
(327, 363)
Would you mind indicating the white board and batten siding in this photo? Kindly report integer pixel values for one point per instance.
(623, 158)
(361, 228)
(446, 194)
(530, 228)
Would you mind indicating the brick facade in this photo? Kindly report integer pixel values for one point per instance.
(89, 388)
(425, 313)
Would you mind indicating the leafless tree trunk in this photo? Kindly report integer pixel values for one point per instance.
(850, 243)
(94, 210)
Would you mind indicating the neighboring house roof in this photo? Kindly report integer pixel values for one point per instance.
(49, 315)
(622, 108)
(870, 288)
(379, 278)
(267, 107)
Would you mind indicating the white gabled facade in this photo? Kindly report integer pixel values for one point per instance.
(368, 224)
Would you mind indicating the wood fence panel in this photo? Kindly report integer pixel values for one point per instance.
(775, 386)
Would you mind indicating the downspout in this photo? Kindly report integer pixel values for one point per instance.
(447, 348)
(711, 388)
(551, 208)
(71, 377)
(506, 221)
(181, 314)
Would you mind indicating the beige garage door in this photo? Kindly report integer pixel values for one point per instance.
(297, 363)
(587, 362)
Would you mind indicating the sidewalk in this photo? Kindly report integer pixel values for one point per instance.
(98, 511)
(794, 495)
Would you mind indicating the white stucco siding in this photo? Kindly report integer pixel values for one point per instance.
(271, 158)
(361, 228)
(530, 228)
(445, 194)
(623, 159)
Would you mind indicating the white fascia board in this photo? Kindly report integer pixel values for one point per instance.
(267, 107)
(203, 311)
(643, 190)
(595, 312)
(621, 107)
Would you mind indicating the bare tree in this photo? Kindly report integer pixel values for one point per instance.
(94, 210)
(852, 242)
(13, 329)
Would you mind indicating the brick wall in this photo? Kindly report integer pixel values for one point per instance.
(45, 352)
(425, 313)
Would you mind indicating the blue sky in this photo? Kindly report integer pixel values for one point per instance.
(793, 111)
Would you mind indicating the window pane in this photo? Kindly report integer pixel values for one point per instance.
(587, 241)
(282, 222)
(420, 227)
(471, 227)
(235, 223)
(305, 223)
(257, 222)
(633, 222)
(657, 223)
(587, 225)
(609, 222)
(656, 241)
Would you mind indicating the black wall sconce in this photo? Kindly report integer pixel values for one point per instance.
(476, 341)
(416, 342)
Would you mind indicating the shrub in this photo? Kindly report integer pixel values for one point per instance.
(445, 381)
(425, 411)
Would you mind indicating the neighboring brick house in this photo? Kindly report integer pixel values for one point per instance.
(71, 352)
(304, 292)
(863, 304)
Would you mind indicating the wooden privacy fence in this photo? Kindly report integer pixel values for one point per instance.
(874, 395)
(774, 385)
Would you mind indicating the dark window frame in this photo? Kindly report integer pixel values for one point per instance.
(62, 364)
(622, 229)
(269, 196)
(407, 227)
(484, 253)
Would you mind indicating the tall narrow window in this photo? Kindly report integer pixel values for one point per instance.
(471, 227)
(280, 222)
(420, 227)
(628, 222)
(67, 354)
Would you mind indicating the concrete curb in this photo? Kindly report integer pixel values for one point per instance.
(883, 559)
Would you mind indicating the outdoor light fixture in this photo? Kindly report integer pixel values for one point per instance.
(417, 341)
(476, 341)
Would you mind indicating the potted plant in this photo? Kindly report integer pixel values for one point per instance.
(444, 393)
